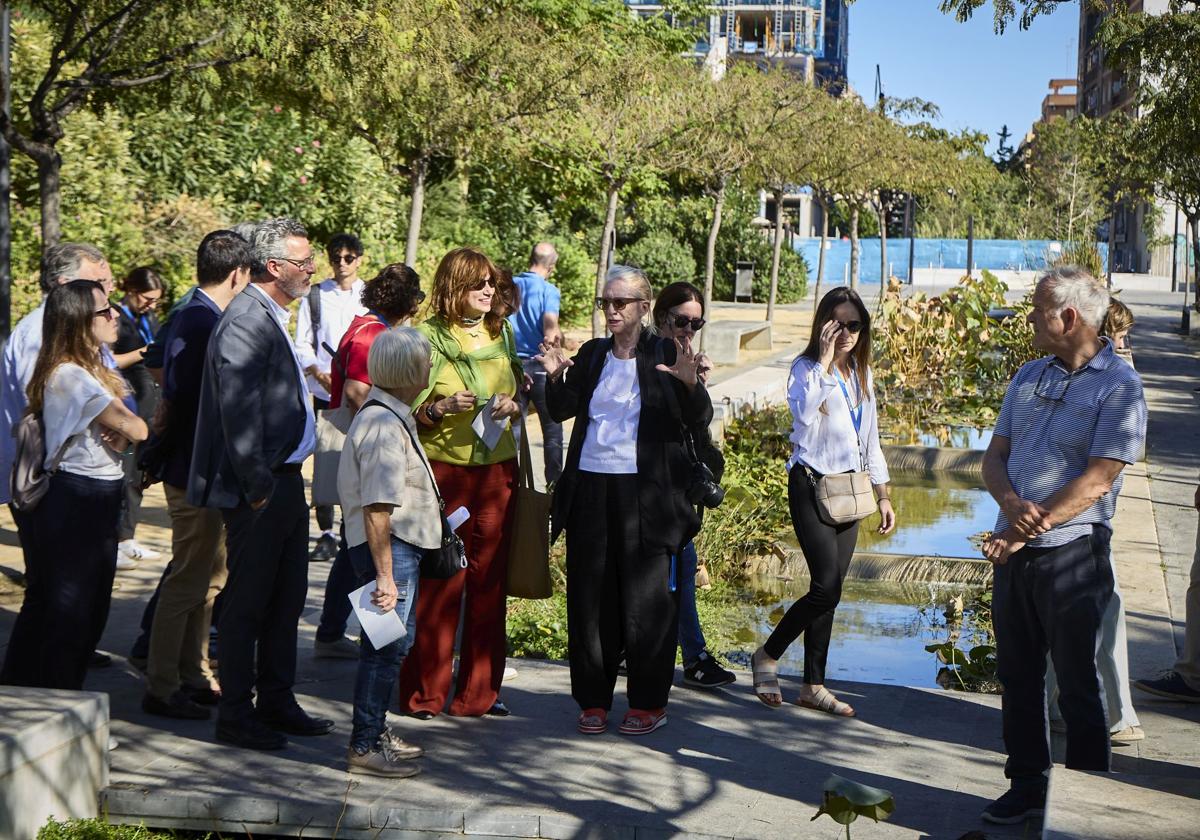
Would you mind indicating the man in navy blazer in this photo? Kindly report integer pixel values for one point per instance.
(254, 429)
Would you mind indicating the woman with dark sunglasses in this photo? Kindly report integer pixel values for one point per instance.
(622, 499)
(475, 369)
(834, 430)
(678, 314)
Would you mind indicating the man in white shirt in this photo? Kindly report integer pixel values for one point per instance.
(320, 324)
(61, 264)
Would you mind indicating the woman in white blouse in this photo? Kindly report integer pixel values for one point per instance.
(73, 553)
(834, 430)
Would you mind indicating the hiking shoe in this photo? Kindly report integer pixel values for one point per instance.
(383, 760)
(1017, 805)
(342, 648)
(404, 751)
(325, 549)
(1171, 685)
(1128, 735)
(706, 673)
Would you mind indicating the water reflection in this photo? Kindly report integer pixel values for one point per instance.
(880, 629)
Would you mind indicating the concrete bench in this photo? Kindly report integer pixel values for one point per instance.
(53, 757)
(724, 340)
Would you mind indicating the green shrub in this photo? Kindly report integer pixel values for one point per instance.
(664, 259)
(99, 830)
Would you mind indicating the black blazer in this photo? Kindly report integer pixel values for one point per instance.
(252, 407)
(664, 469)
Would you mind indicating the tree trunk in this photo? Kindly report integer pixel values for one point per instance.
(420, 170)
(775, 249)
(1194, 222)
(854, 244)
(610, 224)
(883, 266)
(710, 252)
(50, 192)
(821, 256)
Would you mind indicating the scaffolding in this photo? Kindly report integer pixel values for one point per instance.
(779, 29)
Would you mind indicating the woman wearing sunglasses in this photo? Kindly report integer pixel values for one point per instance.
(678, 315)
(834, 430)
(621, 499)
(474, 359)
(72, 552)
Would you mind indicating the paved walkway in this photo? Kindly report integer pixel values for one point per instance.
(726, 766)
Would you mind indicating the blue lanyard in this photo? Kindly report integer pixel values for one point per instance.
(141, 322)
(381, 319)
(855, 413)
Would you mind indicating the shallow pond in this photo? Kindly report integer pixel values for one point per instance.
(898, 432)
(879, 634)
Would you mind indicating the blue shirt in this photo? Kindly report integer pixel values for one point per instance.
(1057, 419)
(538, 298)
(183, 374)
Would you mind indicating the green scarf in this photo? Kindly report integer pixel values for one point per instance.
(447, 349)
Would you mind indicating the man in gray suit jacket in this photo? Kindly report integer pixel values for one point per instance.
(254, 429)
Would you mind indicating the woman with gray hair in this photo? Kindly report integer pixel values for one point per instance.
(623, 502)
(390, 511)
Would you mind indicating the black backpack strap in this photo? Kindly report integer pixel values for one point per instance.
(416, 447)
(314, 313)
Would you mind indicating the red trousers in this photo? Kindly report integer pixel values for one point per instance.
(487, 492)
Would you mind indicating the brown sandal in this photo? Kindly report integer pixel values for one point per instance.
(824, 701)
(766, 680)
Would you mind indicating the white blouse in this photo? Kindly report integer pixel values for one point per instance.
(72, 401)
(610, 445)
(826, 441)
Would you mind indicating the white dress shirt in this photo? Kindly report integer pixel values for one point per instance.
(72, 401)
(338, 309)
(16, 369)
(610, 444)
(826, 441)
(282, 317)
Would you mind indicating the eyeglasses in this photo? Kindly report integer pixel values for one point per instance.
(345, 258)
(852, 327)
(618, 304)
(307, 262)
(106, 313)
(478, 285)
(1048, 392)
(420, 296)
(682, 321)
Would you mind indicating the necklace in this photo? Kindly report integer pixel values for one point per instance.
(472, 322)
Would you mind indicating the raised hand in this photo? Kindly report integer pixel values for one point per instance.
(687, 364)
(828, 343)
(553, 358)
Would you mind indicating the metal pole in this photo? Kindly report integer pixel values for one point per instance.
(910, 223)
(970, 244)
(1185, 321)
(5, 178)
(1112, 238)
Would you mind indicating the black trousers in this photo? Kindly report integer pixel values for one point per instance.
(70, 564)
(264, 596)
(828, 550)
(619, 598)
(1052, 600)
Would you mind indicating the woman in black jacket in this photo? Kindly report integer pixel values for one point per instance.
(621, 500)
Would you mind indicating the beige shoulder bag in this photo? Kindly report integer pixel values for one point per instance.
(847, 497)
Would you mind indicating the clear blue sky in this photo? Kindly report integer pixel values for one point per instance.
(978, 79)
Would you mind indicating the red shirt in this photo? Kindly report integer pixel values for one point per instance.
(352, 353)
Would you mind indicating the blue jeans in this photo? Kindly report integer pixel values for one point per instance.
(379, 669)
(691, 637)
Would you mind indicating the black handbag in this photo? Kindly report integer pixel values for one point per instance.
(450, 557)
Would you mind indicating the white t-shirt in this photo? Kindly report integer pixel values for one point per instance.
(72, 401)
(610, 445)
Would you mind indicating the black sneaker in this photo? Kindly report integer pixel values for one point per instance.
(1170, 685)
(706, 673)
(325, 550)
(1018, 805)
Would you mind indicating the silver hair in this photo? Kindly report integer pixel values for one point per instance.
(1072, 286)
(632, 275)
(63, 261)
(397, 358)
(245, 230)
(269, 237)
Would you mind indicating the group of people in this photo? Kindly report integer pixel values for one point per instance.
(228, 404)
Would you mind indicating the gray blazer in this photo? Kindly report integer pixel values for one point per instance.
(252, 411)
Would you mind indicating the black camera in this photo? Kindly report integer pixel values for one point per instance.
(703, 488)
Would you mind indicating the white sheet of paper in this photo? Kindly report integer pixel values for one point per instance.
(486, 428)
(381, 628)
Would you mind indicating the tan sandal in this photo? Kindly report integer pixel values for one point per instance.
(824, 701)
(766, 680)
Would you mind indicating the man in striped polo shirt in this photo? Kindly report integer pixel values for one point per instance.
(1069, 424)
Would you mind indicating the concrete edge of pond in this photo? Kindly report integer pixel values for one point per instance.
(933, 459)
(881, 566)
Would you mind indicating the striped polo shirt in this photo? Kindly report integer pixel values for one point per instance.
(1057, 419)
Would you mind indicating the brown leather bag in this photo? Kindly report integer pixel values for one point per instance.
(843, 498)
(529, 546)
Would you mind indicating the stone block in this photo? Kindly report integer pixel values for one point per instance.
(501, 822)
(416, 819)
(126, 800)
(323, 815)
(246, 809)
(567, 827)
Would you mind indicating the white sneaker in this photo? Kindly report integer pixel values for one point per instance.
(509, 674)
(125, 562)
(138, 551)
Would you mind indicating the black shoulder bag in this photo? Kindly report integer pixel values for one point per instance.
(449, 558)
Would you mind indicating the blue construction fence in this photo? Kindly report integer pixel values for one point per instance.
(992, 254)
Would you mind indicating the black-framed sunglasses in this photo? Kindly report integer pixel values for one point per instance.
(1048, 392)
(618, 304)
(478, 285)
(345, 258)
(852, 327)
(105, 313)
(682, 321)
